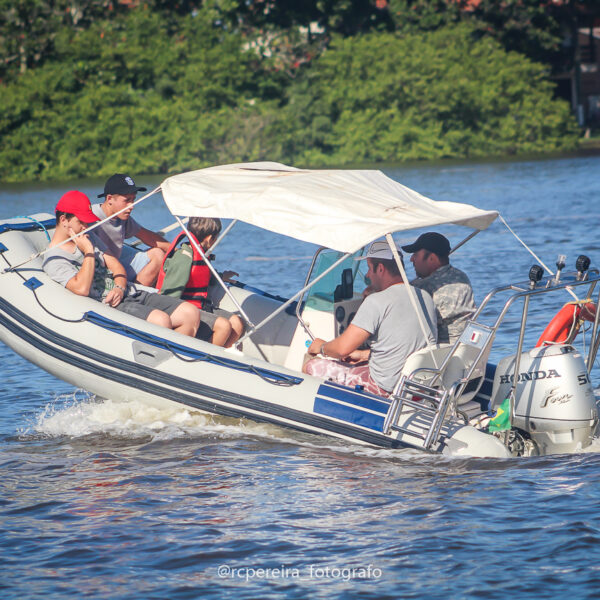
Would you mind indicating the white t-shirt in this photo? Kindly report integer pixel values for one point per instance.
(395, 331)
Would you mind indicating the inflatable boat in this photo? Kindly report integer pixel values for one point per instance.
(449, 397)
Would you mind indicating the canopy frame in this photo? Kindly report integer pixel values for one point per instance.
(346, 209)
(199, 249)
(294, 297)
(282, 193)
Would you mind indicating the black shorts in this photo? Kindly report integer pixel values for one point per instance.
(141, 304)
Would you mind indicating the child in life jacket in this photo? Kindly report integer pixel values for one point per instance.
(185, 275)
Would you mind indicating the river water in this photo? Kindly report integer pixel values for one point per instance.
(111, 500)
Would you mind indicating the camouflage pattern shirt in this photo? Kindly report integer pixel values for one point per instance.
(453, 298)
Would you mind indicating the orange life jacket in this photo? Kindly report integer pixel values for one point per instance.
(196, 288)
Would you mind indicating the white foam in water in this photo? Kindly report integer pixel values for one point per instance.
(593, 447)
(81, 414)
(75, 416)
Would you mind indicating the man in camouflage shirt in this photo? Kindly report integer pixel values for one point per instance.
(450, 287)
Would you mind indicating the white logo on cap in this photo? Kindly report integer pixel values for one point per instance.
(129, 181)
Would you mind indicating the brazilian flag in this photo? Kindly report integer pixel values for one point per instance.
(501, 420)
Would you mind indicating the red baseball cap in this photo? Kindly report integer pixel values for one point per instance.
(78, 204)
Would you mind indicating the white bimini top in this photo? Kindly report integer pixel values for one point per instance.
(340, 209)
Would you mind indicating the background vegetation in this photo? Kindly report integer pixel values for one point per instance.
(98, 86)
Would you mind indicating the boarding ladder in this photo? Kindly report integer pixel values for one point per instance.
(421, 399)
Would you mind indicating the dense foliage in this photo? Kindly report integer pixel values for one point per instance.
(446, 93)
(94, 87)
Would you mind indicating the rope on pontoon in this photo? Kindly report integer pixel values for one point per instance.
(190, 355)
(40, 302)
(42, 226)
(272, 377)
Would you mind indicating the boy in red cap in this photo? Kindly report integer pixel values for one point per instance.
(84, 269)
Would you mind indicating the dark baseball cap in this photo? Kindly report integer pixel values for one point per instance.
(432, 241)
(120, 184)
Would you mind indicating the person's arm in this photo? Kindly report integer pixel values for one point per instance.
(228, 275)
(81, 283)
(358, 356)
(116, 295)
(152, 239)
(342, 346)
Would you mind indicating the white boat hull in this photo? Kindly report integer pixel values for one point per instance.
(114, 355)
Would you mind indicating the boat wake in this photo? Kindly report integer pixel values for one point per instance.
(80, 414)
(593, 447)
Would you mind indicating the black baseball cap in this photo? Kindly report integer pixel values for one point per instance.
(120, 184)
(432, 241)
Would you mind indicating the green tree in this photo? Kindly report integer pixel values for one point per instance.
(447, 93)
(333, 16)
(28, 28)
(536, 29)
(424, 15)
(156, 92)
(129, 93)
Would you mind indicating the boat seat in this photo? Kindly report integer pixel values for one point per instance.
(471, 351)
(430, 359)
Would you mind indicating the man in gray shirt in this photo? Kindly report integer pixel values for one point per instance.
(450, 287)
(387, 319)
(119, 193)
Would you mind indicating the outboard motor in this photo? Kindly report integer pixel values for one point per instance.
(554, 402)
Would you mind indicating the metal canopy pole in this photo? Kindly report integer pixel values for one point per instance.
(223, 234)
(513, 388)
(469, 237)
(84, 232)
(214, 272)
(411, 292)
(296, 295)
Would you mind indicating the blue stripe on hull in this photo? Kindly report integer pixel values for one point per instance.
(348, 414)
(358, 398)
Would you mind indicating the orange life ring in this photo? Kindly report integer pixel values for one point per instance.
(569, 318)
